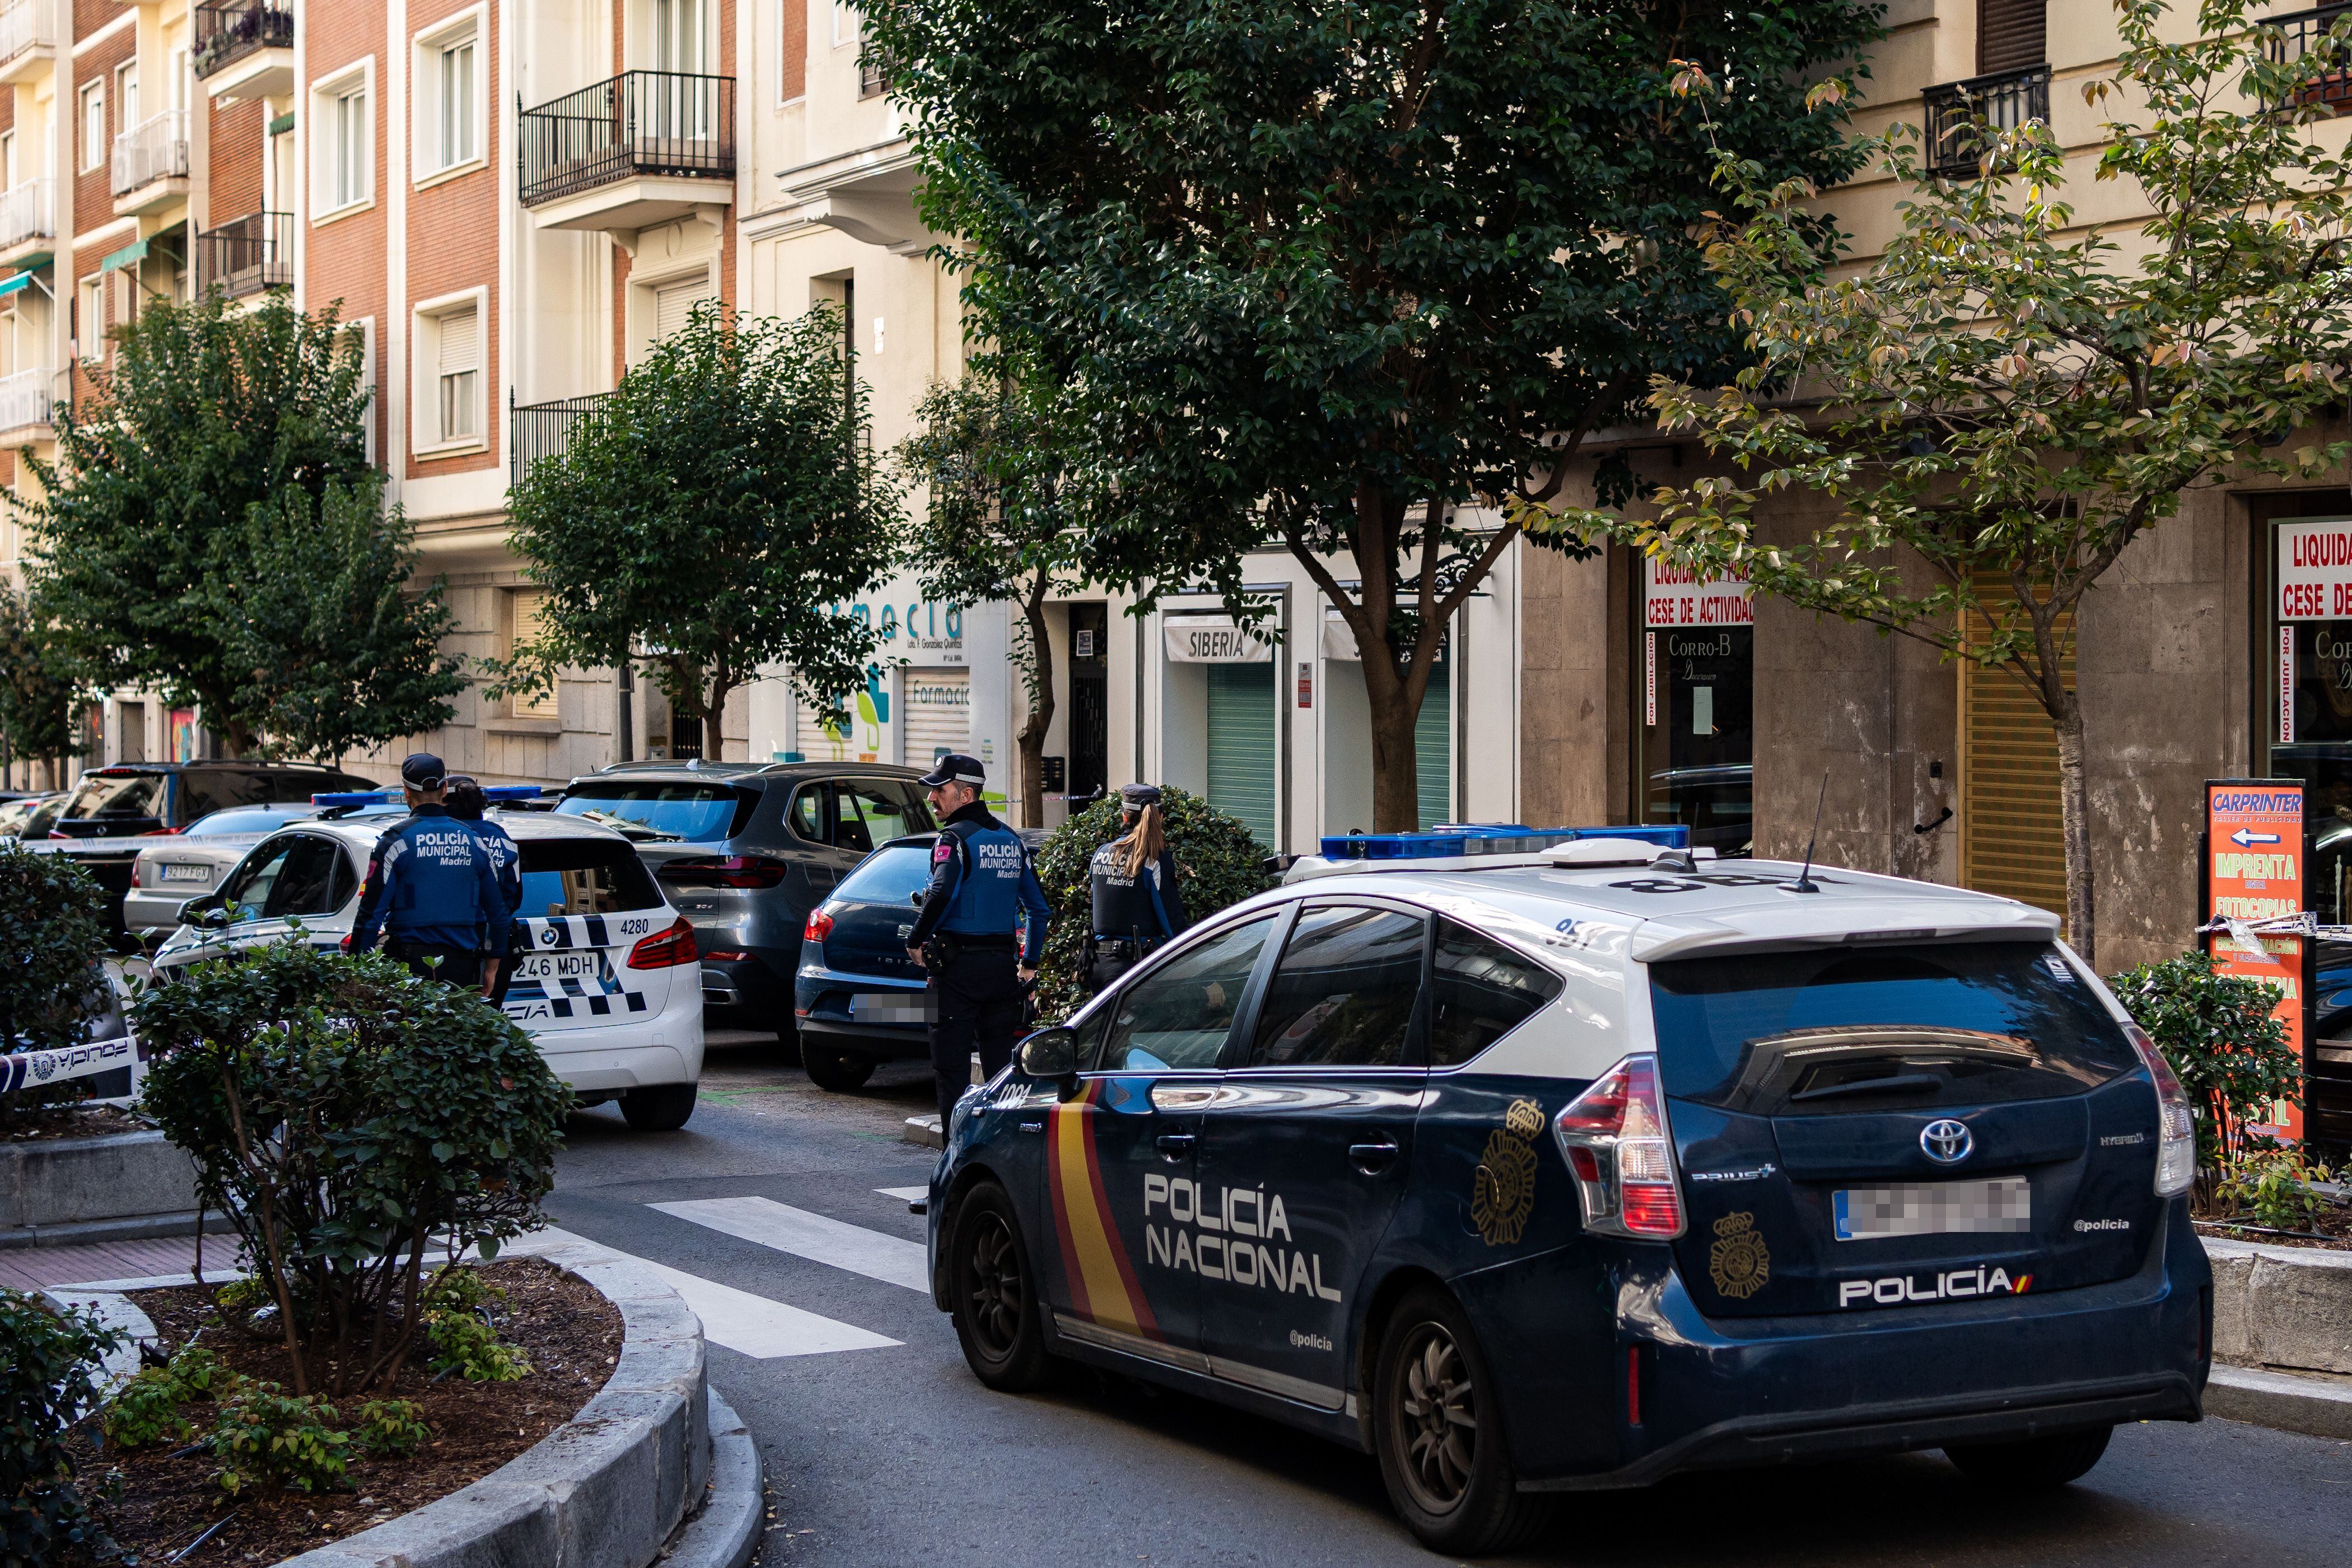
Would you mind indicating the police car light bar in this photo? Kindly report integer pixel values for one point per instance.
(351, 800)
(1456, 840)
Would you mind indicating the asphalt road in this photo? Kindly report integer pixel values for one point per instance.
(886, 1451)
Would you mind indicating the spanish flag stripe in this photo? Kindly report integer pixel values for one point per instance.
(1065, 1152)
(1131, 1289)
(1102, 1289)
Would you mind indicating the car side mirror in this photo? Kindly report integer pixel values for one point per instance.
(1050, 1054)
(203, 913)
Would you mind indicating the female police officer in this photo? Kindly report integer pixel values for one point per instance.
(1137, 905)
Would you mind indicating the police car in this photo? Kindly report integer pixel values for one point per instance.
(611, 987)
(1540, 1172)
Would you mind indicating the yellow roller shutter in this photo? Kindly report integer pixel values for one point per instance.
(2010, 841)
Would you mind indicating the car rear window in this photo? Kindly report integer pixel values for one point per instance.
(242, 819)
(116, 795)
(891, 876)
(582, 876)
(691, 812)
(1882, 1028)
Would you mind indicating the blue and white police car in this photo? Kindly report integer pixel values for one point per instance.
(1536, 1173)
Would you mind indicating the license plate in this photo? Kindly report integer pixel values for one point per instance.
(2002, 1206)
(587, 966)
(890, 1007)
(181, 872)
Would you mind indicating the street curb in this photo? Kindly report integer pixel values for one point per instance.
(121, 1178)
(608, 1488)
(116, 1312)
(726, 1530)
(924, 1131)
(2281, 1305)
(2273, 1399)
(138, 1227)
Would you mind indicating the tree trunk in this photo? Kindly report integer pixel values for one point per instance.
(2074, 828)
(1396, 764)
(1041, 707)
(714, 721)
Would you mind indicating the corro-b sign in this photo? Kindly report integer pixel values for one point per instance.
(2253, 871)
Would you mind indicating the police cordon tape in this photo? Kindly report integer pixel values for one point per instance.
(2246, 935)
(31, 1070)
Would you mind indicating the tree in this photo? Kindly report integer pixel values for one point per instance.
(205, 409)
(1319, 273)
(707, 518)
(39, 696)
(2004, 401)
(332, 650)
(1003, 528)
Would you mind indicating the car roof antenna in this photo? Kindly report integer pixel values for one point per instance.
(1804, 882)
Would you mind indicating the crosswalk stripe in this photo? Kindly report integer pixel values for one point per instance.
(813, 1236)
(745, 1323)
(910, 1194)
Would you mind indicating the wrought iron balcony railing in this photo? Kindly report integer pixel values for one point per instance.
(154, 150)
(28, 212)
(229, 30)
(544, 429)
(246, 255)
(25, 398)
(20, 28)
(639, 122)
(2298, 32)
(1966, 118)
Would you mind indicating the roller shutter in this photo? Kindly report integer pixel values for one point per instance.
(1432, 748)
(814, 745)
(1242, 746)
(938, 715)
(2011, 35)
(2010, 839)
(674, 303)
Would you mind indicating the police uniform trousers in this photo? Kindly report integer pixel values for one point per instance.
(977, 1003)
(460, 967)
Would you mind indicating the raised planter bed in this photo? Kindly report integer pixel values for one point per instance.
(2282, 1308)
(55, 1191)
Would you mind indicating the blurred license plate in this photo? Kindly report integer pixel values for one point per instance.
(890, 1007)
(562, 966)
(2003, 1205)
(178, 871)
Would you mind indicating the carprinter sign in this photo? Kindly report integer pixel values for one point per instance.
(2315, 569)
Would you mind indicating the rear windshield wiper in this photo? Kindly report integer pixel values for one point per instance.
(631, 827)
(1895, 1083)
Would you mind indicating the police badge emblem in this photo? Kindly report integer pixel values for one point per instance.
(1740, 1263)
(1502, 1192)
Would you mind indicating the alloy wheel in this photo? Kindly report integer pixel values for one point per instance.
(1437, 1419)
(998, 1294)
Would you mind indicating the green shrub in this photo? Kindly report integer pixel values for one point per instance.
(53, 929)
(152, 1406)
(48, 1366)
(343, 1112)
(2230, 1055)
(269, 1438)
(458, 1309)
(2270, 1187)
(1217, 864)
(390, 1429)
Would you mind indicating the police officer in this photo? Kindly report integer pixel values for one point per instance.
(965, 937)
(431, 892)
(470, 805)
(1132, 878)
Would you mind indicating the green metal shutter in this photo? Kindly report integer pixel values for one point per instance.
(1432, 748)
(1242, 746)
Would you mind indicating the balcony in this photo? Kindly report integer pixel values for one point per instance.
(245, 48)
(1965, 118)
(643, 148)
(248, 255)
(29, 224)
(27, 39)
(2298, 31)
(544, 429)
(25, 404)
(150, 164)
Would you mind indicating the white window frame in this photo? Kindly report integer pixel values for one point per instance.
(425, 375)
(366, 327)
(89, 103)
(425, 116)
(327, 94)
(844, 24)
(89, 317)
(546, 705)
(126, 97)
(785, 8)
(8, 160)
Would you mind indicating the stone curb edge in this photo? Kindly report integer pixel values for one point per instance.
(2319, 1407)
(726, 1530)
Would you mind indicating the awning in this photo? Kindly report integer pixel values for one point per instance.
(16, 285)
(1212, 640)
(129, 254)
(1339, 640)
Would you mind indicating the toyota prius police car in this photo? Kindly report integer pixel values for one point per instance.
(1534, 1173)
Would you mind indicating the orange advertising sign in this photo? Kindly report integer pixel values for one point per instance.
(2253, 871)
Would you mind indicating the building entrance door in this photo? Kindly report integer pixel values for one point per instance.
(1089, 701)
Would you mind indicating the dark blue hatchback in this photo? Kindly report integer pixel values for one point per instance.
(1542, 1174)
(857, 997)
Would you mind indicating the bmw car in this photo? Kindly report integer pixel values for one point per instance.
(857, 997)
(1533, 1174)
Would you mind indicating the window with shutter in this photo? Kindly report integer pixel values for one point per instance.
(2010, 839)
(2011, 34)
(458, 362)
(673, 304)
(530, 608)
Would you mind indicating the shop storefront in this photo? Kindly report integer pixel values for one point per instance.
(1695, 729)
(1222, 718)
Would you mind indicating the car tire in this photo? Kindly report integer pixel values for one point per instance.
(664, 1108)
(838, 1070)
(2036, 1464)
(992, 1294)
(1438, 1432)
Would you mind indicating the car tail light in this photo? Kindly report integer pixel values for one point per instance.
(723, 872)
(134, 873)
(664, 949)
(819, 927)
(724, 955)
(1619, 1149)
(2176, 1121)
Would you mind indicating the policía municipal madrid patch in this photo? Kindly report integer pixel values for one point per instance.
(1740, 1263)
(1502, 1192)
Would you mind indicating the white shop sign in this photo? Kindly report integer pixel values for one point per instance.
(1212, 640)
(2314, 569)
(1671, 597)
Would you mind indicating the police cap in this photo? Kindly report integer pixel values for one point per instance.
(1136, 796)
(467, 802)
(954, 768)
(422, 770)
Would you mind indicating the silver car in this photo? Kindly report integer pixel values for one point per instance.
(191, 863)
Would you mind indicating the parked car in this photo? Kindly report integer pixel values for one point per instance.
(1717, 803)
(170, 871)
(609, 987)
(746, 850)
(858, 997)
(31, 817)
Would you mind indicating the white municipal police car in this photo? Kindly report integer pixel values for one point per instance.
(611, 987)
(1536, 1173)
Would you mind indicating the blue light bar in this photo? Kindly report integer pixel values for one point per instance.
(393, 796)
(1457, 840)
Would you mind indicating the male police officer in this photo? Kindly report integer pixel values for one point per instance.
(980, 884)
(431, 891)
(470, 805)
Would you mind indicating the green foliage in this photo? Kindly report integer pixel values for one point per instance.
(331, 650)
(460, 1308)
(2271, 1186)
(49, 1365)
(150, 1408)
(137, 526)
(39, 696)
(52, 930)
(1217, 864)
(1319, 273)
(269, 1438)
(710, 517)
(245, 1295)
(341, 1112)
(2230, 1055)
(390, 1429)
(2008, 397)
